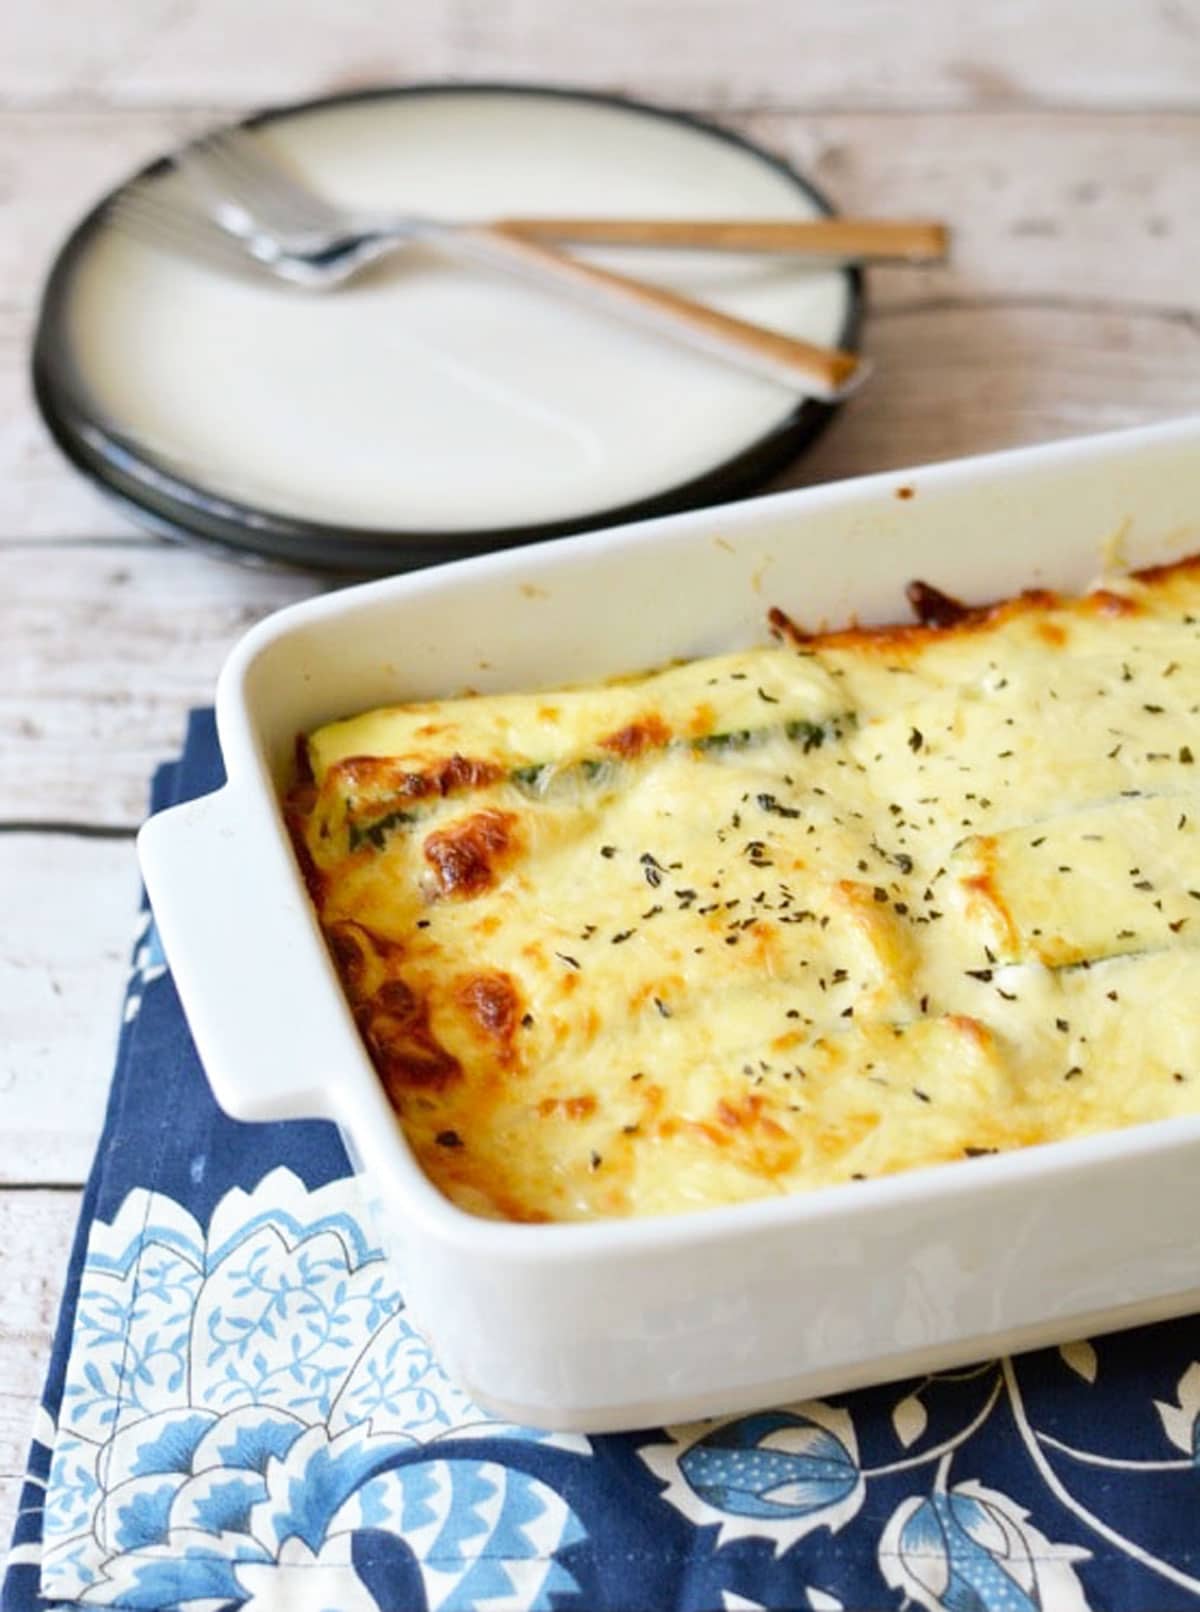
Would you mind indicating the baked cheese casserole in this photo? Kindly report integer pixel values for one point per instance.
(813, 912)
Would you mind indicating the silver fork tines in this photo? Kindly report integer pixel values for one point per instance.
(273, 220)
(232, 170)
(144, 212)
(150, 213)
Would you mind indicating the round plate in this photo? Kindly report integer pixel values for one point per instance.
(430, 409)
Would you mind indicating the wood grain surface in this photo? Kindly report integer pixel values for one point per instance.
(1059, 139)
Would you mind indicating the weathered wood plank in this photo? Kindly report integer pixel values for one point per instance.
(100, 657)
(36, 1229)
(1084, 209)
(960, 380)
(859, 53)
(64, 954)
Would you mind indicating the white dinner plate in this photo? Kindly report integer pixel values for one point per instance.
(432, 409)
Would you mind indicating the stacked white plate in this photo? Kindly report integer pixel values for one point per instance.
(432, 409)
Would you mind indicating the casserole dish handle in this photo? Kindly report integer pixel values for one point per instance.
(245, 963)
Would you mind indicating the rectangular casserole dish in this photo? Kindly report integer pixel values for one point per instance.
(622, 1324)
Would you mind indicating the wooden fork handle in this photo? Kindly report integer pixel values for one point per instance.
(820, 372)
(866, 240)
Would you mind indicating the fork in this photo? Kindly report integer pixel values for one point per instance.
(303, 237)
(235, 159)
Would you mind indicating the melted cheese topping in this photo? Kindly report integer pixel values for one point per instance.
(807, 914)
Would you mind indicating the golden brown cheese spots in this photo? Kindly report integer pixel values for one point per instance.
(466, 858)
(364, 958)
(391, 1014)
(972, 1029)
(1052, 633)
(492, 1007)
(833, 1143)
(702, 720)
(943, 624)
(780, 625)
(892, 954)
(933, 608)
(984, 897)
(1106, 603)
(749, 1115)
(728, 1115)
(1084, 885)
(744, 1128)
(580, 1107)
(346, 942)
(395, 1025)
(647, 733)
(924, 893)
(375, 776)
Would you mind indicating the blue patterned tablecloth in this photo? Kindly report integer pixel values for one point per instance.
(239, 1415)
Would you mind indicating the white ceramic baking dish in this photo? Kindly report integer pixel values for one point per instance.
(629, 1323)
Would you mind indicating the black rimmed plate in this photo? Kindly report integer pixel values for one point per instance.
(432, 410)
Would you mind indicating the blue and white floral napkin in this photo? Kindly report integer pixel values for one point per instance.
(238, 1415)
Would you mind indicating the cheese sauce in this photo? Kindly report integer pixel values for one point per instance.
(806, 914)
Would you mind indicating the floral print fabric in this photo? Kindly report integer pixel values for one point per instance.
(239, 1415)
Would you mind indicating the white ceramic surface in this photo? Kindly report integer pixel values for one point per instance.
(620, 1324)
(431, 395)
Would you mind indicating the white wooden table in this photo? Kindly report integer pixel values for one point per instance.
(1061, 138)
